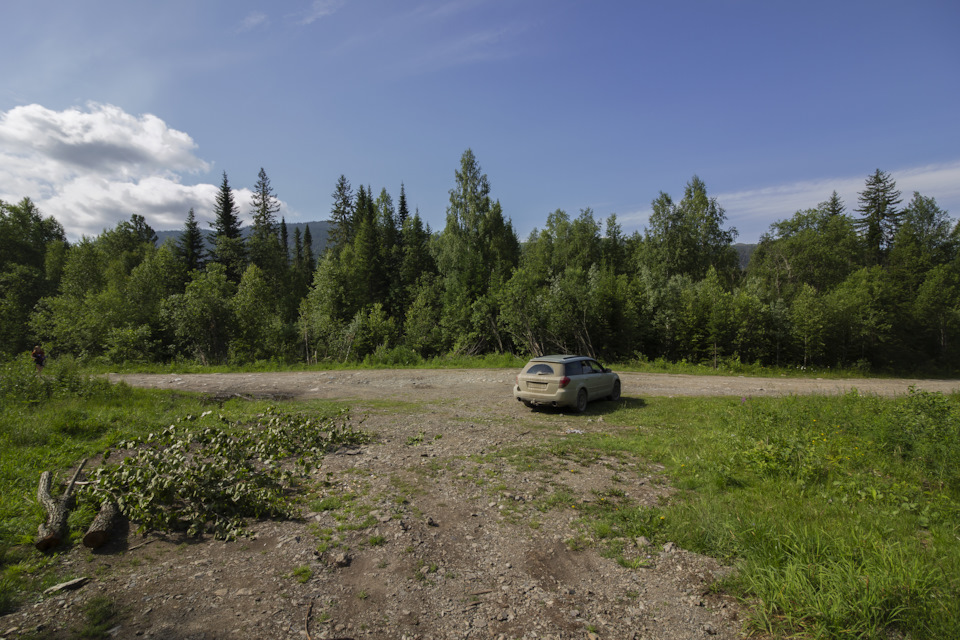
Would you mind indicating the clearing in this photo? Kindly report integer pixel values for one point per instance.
(424, 533)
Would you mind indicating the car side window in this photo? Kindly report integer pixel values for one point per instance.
(541, 369)
(594, 367)
(574, 369)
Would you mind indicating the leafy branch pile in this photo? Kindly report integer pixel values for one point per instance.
(199, 479)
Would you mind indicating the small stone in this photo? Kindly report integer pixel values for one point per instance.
(340, 559)
(669, 547)
(642, 542)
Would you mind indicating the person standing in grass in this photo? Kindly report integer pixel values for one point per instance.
(39, 357)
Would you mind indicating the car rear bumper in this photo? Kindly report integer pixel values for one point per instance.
(562, 398)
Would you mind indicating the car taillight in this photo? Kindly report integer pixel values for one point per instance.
(564, 381)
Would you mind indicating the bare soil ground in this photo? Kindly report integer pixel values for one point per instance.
(432, 536)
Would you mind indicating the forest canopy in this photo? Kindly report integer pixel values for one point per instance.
(873, 288)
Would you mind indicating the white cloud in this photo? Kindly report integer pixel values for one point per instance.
(752, 211)
(252, 21)
(94, 167)
(319, 9)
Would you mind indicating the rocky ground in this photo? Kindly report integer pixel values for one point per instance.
(423, 533)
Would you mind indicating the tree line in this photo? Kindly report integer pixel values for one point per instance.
(878, 287)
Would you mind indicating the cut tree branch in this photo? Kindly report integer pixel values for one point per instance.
(54, 530)
(99, 532)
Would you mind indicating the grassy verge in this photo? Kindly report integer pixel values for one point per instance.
(398, 358)
(51, 422)
(842, 514)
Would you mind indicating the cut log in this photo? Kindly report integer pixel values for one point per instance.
(54, 530)
(99, 532)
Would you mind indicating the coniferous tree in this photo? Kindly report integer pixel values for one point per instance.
(297, 249)
(402, 211)
(309, 262)
(190, 244)
(475, 253)
(264, 243)
(284, 241)
(228, 245)
(881, 218)
(341, 215)
(834, 206)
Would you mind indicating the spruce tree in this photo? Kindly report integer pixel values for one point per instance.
(342, 215)
(190, 245)
(264, 243)
(284, 241)
(228, 245)
(297, 250)
(308, 260)
(881, 218)
(834, 206)
(402, 211)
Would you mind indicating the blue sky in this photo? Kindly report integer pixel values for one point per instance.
(111, 108)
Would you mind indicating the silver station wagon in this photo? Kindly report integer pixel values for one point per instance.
(565, 381)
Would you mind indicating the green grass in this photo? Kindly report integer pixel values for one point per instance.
(53, 421)
(405, 360)
(100, 615)
(842, 514)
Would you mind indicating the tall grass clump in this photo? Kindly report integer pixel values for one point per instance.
(841, 514)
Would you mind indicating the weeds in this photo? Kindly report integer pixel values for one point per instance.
(841, 512)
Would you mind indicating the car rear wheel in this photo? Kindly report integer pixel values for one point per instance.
(615, 394)
(582, 401)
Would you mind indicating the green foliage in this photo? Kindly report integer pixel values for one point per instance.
(20, 384)
(201, 318)
(206, 477)
(688, 238)
(823, 289)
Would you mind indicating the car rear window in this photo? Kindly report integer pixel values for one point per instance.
(540, 367)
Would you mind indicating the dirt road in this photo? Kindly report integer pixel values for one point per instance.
(494, 385)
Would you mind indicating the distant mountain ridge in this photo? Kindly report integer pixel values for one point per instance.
(744, 252)
(319, 234)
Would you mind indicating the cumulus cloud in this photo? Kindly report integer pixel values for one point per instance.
(91, 168)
